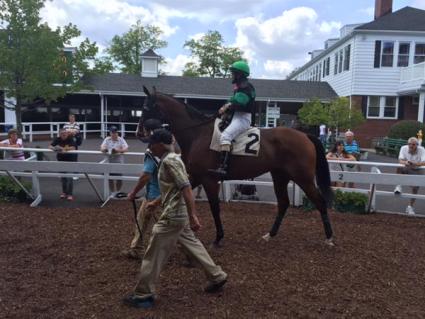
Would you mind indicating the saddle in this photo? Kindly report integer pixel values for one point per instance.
(245, 144)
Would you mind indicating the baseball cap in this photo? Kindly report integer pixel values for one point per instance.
(161, 136)
(113, 129)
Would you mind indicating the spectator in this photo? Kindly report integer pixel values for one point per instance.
(149, 178)
(73, 129)
(352, 147)
(115, 146)
(62, 144)
(412, 156)
(322, 133)
(176, 225)
(338, 153)
(13, 141)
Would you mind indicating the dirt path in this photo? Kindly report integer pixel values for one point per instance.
(65, 263)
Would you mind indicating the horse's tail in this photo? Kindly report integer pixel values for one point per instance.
(323, 176)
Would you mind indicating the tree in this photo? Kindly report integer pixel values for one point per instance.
(313, 113)
(213, 58)
(337, 114)
(34, 66)
(341, 116)
(127, 49)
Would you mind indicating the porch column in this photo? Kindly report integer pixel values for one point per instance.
(102, 116)
(421, 106)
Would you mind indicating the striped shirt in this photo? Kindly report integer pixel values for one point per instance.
(352, 148)
(14, 155)
(72, 127)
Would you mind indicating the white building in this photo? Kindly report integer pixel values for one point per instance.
(380, 65)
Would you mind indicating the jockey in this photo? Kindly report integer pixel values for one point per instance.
(240, 109)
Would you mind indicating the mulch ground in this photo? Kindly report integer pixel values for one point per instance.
(66, 263)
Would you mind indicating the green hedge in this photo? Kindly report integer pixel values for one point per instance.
(10, 192)
(405, 129)
(344, 202)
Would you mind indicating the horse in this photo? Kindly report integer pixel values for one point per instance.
(286, 153)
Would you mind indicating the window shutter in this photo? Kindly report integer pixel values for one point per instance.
(377, 62)
(364, 106)
(401, 101)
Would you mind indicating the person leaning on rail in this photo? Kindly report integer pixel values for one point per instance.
(61, 145)
(176, 224)
(412, 156)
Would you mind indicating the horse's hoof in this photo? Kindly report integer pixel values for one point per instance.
(217, 244)
(266, 237)
(330, 242)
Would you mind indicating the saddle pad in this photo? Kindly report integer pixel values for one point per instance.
(245, 144)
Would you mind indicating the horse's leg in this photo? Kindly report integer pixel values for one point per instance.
(280, 184)
(317, 199)
(212, 188)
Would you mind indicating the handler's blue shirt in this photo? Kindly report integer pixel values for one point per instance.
(152, 187)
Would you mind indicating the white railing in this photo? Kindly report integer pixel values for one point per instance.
(413, 73)
(30, 129)
(47, 150)
(130, 172)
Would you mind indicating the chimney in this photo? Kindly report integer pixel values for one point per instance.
(383, 7)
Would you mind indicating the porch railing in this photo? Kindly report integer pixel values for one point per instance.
(413, 73)
(30, 129)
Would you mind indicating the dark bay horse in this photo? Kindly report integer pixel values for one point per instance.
(286, 153)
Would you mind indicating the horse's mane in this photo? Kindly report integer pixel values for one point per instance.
(193, 112)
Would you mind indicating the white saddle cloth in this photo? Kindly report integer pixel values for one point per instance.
(245, 144)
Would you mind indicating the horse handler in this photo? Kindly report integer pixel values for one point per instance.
(175, 225)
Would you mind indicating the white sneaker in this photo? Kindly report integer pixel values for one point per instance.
(410, 210)
(397, 190)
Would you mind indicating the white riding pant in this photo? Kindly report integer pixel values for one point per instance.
(241, 122)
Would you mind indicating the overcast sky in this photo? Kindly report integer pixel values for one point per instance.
(276, 35)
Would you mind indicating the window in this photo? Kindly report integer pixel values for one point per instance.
(336, 64)
(403, 54)
(328, 65)
(387, 54)
(347, 50)
(340, 61)
(320, 71)
(419, 53)
(390, 106)
(373, 106)
(382, 107)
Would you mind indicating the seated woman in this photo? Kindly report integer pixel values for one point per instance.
(338, 153)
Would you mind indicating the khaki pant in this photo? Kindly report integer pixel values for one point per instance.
(165, 236)
(145, 217)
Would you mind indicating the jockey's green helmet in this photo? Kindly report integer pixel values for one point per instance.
(240, 66)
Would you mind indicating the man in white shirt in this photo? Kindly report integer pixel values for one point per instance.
(413, 157)
(115, 146)
(322, 133)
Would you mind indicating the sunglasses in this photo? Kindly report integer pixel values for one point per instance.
(412, 144)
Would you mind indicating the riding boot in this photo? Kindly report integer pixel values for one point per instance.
(222, 170)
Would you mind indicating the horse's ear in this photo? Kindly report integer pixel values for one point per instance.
(146, 91)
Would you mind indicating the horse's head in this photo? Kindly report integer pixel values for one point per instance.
(150, 111)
